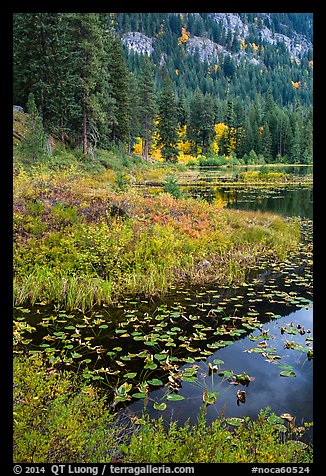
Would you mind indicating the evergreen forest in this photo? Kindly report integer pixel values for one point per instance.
(251, 103)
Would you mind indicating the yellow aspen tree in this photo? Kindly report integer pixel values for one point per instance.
(184, 38)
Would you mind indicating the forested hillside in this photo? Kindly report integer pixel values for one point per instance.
(173, 86)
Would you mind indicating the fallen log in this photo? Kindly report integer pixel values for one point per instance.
(18, 135)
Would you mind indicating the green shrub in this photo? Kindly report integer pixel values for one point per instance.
(171, 186)
(55, 420)
(211, 161)
(259, 441)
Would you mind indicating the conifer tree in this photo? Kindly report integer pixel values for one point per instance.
(134, 116)
(33, 145)
(87, 48)
(147, 106)
(119, 81)
(266, 143)
(168, 122)
(195, 121)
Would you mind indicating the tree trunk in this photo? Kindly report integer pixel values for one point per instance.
(84, 124)
(145, 148)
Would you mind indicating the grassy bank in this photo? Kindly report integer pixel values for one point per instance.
(57, 420)
(80, 239)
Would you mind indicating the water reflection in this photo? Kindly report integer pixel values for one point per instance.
(296, 201)
(268, 389)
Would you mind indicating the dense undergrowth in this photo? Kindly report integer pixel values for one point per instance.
(58, 420)
(84, 238)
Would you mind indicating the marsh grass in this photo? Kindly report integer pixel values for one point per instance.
(80, 242)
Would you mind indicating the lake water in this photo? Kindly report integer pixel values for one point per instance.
(282, 394)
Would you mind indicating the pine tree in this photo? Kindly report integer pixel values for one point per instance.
(87, 48)
(207, 123)
(195, 122)
(32, 147)
(182, 110)
(134, 115)
(168, 122)
(147, 106)
(266, 143)
(119, 81)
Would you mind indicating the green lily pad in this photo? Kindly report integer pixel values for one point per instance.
(139, 395)
(287, 373)
(130, 375)
(150, 365)
(225, 373)
(155, 381)
(210, 397)
(160, 356)
(218, 361)
(175, 397)
(159, 406)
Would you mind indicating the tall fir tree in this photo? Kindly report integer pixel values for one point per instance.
(147, 106)
(168, 122)
(119, 80)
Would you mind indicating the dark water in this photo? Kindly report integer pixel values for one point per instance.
(296, 201)
(290, 200)
(268, 389)
(302, 170)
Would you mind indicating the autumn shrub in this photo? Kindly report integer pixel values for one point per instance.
(78, 241)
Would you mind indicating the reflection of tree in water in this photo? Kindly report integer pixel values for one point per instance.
(294, 202)
(287, 202)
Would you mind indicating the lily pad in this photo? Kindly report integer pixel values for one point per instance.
(130, 375)
(159, 406)
(155, 381)
(210, 397)
(175, 397)
(287, 373)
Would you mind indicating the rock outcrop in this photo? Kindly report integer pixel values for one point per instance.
(138, 42)
(207, 49)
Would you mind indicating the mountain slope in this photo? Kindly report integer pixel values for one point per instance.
(217, 51)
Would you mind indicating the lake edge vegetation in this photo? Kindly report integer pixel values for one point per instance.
(83, 238)
(56, 420)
